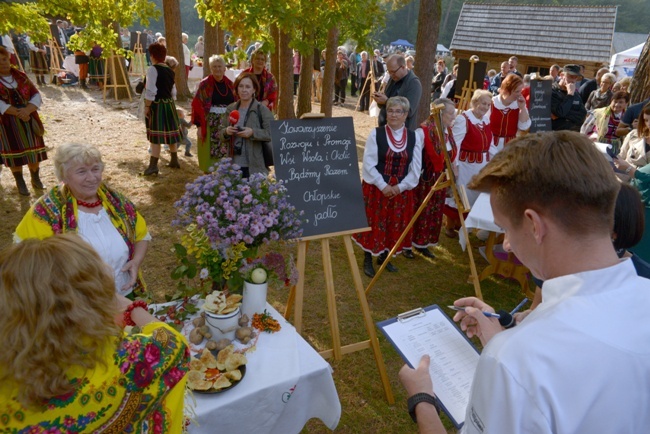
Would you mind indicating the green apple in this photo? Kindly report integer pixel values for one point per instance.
(258, 275)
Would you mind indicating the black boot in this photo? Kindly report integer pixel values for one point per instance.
(367, 265)
(83, 84)
(389, 267)
(20, 183)
(174, 163)
(36, 180)
(153, 167)
(43, 80)
(38, 80)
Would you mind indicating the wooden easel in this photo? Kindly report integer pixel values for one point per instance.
(446, 179)
(111, 70)
(370, 78)
(55, 58)
(138, 65)
(468, 87)
(296, 299)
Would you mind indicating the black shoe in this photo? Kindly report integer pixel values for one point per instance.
(389, 267)
(174, 164)
(425, 252)
(368, 269)
(153, 167)
(188, 154)
(36, 180)
(408, 254)
(20, 183)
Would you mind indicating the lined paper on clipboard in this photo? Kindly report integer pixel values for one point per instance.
(453, 357)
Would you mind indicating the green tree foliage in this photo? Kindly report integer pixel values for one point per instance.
(96, 16)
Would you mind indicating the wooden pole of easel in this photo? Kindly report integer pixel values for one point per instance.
(370, 78)
(296, 299)
(110, 70)
(446, 179)
(55, 58)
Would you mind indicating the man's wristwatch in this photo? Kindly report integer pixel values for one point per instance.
(628, 170)
(418, 398)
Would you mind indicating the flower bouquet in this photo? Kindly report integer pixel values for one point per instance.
(227, 218)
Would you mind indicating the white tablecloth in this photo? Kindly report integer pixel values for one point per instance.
(480, 217)
(286, 383)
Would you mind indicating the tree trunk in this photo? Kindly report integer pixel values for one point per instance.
(173, 30)
(641, 84)
(285, 79)
(221, 44)
(211, 45)
(122, 92)
(304, 87)
(425, 47)
(275, 55)
(328, 77)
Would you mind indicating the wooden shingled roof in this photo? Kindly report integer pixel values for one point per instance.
(580, 33)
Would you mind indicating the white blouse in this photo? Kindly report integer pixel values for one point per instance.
(371, 158)
(99, 232)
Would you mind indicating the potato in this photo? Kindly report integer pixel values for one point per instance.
(199, 321)
(223, 343)
(204, 329)
(211, 345)
(243, 321)
(244, 333)
(196, 337)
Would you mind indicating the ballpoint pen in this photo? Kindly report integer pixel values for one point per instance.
(519, 306)
(488, 314)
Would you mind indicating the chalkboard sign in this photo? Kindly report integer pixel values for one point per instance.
(540, 105)
(463, 75)
(137, 37)
(317, 160)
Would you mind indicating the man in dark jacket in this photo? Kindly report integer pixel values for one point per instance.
(591, 85)
(402, 83)
(567, 109)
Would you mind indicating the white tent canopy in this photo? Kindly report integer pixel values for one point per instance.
(625, 61)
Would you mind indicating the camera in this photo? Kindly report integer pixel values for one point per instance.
(238, 148)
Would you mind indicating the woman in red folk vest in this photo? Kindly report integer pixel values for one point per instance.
(473, 135)
(426, 230)
(392, 161)
(509, 112)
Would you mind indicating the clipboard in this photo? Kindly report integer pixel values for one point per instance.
(454, 358)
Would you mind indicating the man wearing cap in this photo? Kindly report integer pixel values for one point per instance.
(567, 109)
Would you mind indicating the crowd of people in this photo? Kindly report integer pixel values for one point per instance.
(553, 193)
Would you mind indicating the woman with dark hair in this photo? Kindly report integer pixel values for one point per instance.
(215, 93)
(21, 129)
(252, 128)
(640, 178)
(268, 90)
(509, 113)
(601, 124)
(636, 146)
(160, 110)
(438, 79)
(67, 364)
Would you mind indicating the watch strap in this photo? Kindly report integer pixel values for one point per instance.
(418, 398)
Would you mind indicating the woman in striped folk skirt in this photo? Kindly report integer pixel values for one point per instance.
(38, 62)
(96, 66)
(160, 110)
(21, 129)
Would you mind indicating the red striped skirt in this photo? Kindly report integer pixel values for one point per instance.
(388, 218)
(19, 145)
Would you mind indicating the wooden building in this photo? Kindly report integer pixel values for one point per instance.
(539, 35)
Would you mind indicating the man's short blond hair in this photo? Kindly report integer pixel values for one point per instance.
(558, 174)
